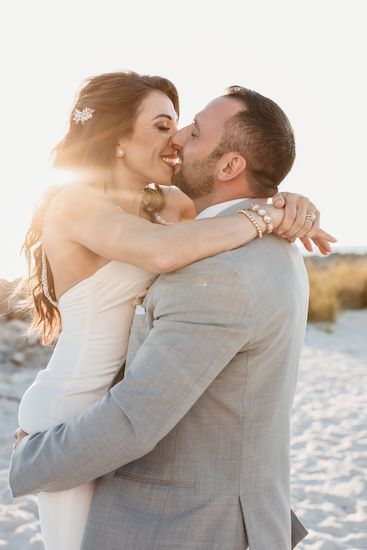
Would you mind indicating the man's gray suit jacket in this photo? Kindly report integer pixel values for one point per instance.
(191, 448)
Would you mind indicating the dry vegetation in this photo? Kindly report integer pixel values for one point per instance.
(336, 283)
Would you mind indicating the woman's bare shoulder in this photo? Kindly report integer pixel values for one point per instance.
(177, 200)
(74, 200)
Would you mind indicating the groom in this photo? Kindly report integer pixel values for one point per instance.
(191, 448)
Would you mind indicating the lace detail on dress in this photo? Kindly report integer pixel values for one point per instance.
(44, 281)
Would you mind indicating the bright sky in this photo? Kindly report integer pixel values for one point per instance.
(309, 56)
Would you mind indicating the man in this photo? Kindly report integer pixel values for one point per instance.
(193, 444)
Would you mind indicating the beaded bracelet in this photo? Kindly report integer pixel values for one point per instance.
(253, 220)
(268, 220)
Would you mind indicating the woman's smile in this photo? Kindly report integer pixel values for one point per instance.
(171, 160)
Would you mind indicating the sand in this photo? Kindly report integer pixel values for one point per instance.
(329, 442)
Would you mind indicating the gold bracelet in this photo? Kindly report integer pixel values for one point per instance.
(253, 221)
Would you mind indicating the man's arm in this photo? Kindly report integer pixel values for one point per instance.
(201, 320)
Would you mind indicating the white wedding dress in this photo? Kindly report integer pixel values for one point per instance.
(96, 318)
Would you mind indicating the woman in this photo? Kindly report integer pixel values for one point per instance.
(95, 250)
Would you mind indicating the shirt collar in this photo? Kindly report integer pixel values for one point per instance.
(215, 209)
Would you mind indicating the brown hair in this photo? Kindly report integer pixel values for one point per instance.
(262, 133)
(89, 149)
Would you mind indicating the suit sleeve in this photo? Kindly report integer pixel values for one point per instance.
(202, 318)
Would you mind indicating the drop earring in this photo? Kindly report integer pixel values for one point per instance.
(119, 152)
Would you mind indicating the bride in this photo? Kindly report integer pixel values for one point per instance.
(93, 249)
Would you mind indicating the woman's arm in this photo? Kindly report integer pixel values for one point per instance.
(178, 205)
(86, 216)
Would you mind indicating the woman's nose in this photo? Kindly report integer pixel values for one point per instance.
(177, 140)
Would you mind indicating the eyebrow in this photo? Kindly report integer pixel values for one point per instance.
(163, 116)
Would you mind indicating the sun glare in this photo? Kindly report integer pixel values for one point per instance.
(328, 169)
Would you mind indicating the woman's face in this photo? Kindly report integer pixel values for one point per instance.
(148, 155)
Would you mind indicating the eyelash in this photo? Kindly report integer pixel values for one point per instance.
(163, 128)
(194, 128)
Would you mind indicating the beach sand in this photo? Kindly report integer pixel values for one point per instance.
(329, 441)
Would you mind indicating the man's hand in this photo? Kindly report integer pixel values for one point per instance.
(18, 435)
(302, 220)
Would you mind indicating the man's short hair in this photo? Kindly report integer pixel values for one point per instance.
(263, 135)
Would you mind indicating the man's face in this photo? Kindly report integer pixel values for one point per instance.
(195, 143)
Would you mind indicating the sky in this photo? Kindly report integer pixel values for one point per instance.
(308, 56)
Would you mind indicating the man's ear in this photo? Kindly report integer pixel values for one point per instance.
(230, 166)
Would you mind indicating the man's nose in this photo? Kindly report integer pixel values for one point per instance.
(178, 139)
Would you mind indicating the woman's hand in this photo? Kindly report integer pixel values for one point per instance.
(18, 435)
(296, 222)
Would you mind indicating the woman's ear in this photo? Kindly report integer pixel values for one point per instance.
(231, 165)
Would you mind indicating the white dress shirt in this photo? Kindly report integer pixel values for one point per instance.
(214, 209)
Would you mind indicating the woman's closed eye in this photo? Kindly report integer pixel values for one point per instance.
(194, 131)
(164, 128)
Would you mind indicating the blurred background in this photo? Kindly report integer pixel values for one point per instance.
(307, 56)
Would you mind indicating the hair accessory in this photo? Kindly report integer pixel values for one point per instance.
(268, 220)
(83, 116)
(253, 221)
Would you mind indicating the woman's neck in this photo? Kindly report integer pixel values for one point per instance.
(127, 191)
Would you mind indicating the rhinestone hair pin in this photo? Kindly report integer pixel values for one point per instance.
(83, 116)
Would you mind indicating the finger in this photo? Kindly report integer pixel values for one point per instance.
(327, 236)
(278, 200)
(307, 243)
(19, 434)
(301, 220)
(322, 235)
(310, 227)
(317, 214)
(300, 217)
(303, 232)
(316, 223)
(322, 245)
(290, 213)
(325, 246)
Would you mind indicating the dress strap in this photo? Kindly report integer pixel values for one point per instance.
(44, 281)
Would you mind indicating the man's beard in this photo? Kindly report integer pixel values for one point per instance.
(196, 179)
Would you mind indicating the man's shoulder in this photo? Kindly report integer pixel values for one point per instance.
(268, 255)
(223, 263)
(259, 252)
(270, 261)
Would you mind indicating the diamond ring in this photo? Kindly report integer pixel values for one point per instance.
(311, 216)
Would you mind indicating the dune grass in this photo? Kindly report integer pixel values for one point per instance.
(336, 284)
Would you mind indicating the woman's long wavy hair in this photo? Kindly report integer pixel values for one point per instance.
(89, 150)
